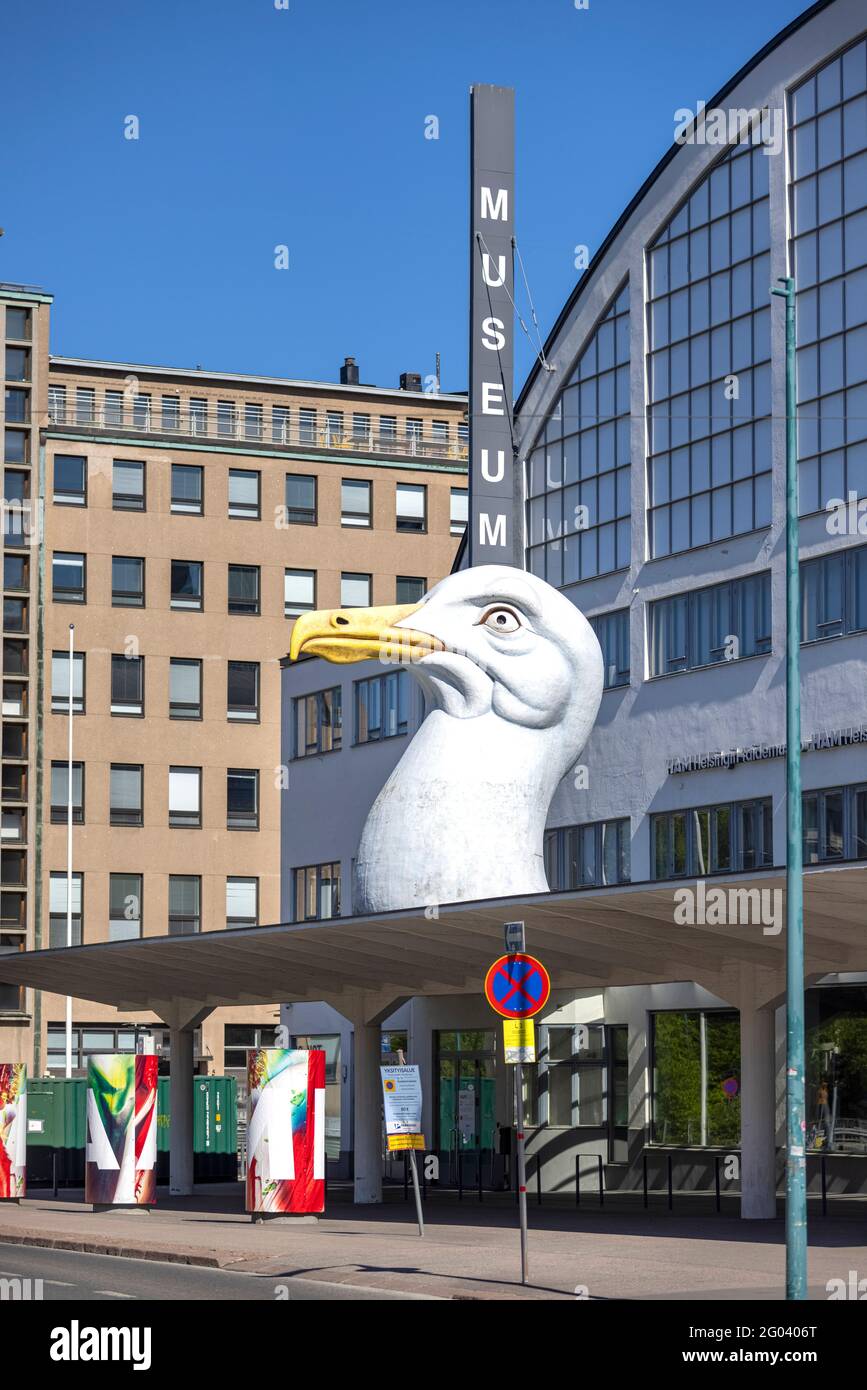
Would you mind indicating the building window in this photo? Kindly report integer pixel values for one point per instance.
(242, 696)
(124, 907)
(244, 589)
(17, 364)
(15, 614)
(355, 502)
(578, 485)
(361, 426)
(409, 589)
(128, 486)
(300, 499)
(198, 415)
(387, 429)
(381, 707)
(60, 682)
(835, 824)
(709, 471)
(836, 1022)
(185, 688)
(458, 510)
(694, 1053)
(307, 424)
(112, 408)
(414, 429)
(612, 630)
(318, 723)
(280, 425)
(317, 892)
(70, 480)
(588, 856)
(571, 1077)
(59, 793)
(185, 796)
(127, 685)
(439, 429)
(722, 623)
(125, 794)
(333, 427)
(411, 507)
(827, 144)
(242, 902)
(242, 799)
(252, 421)
(299, 591)
(185, 904)
(16, 572)
(244, 494)
(127, 581)
(141, 412)
(834, 593)
(18, 324)
(67, 577)
(171, 413)
(16, 446)
(226, 418)
(85, 405)
(187, 489)
(57, 908)
(17, 406)
(733, 837)
(186, 584)
(355, 590)
(239, 1038)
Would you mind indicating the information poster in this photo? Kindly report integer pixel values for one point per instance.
(402, 1103)
(121, 1130)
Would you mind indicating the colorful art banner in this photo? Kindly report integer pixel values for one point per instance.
(13, 1130)
(286, 1130)
(121, 1130)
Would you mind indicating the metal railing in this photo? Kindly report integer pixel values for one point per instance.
(286, 434)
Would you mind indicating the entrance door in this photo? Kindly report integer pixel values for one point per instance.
(466, 1107)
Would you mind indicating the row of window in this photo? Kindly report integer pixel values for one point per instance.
(126, 911)
(69, 585)
(728, 621)
(381, 710)
(126, 795)
(185, 686)
(304, 424)
(301, 507)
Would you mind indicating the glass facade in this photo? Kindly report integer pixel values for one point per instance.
(732, 837)
(709, 374)
(588, 856)
(828, 217)
(721, 623)
(696, 1078)
(579, 475)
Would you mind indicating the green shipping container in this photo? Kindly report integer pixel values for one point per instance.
(59, 1109)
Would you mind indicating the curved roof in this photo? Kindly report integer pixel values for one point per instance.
(670, 154)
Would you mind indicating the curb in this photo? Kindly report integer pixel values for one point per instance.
(102, 1247)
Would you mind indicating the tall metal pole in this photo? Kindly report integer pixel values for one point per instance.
(522, 1168)
(69, 850)
(796, 1163)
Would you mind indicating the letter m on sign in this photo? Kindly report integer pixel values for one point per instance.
(492, 535)
(498, 210)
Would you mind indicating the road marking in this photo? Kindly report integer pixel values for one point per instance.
(112, 1293)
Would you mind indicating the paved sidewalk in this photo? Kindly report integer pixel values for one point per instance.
(466, 1253)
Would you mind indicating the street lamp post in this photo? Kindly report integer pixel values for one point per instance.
(796, 1129)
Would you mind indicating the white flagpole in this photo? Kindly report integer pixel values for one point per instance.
(69, 851)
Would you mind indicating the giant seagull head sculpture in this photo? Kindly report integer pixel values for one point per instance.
(512, 673)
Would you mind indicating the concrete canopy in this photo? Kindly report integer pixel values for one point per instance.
(587, 939)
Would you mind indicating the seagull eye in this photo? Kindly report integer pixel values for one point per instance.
(500, 620)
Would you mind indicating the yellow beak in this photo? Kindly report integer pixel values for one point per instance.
(357, 634)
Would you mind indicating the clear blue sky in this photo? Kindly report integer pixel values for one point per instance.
(305, 127)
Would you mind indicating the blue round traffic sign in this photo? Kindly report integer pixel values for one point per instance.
(517, 985)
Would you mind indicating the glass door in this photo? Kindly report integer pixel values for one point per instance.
(466, 1105)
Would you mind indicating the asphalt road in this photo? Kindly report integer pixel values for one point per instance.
(68, 1275)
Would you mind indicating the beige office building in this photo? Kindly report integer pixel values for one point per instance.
(179, 520)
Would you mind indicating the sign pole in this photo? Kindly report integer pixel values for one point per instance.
(419, 1215)
(522, 1168)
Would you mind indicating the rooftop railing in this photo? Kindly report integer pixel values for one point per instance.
(288, 433)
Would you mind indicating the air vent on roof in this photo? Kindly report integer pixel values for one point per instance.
(410, 381)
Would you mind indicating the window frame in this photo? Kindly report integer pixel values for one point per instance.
(129, 501)
(185, 820)
(126, 815)
(136, 601)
